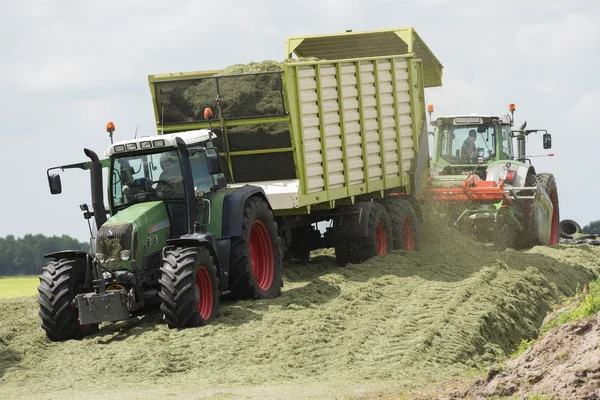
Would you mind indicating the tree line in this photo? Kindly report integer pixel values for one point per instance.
(592, 228)
(25, 256)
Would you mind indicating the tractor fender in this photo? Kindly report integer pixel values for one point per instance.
(352, 221)
(60, 255)
(218, 249)
(197, 239)
(233, 208)
(84, 268)
(522, 171)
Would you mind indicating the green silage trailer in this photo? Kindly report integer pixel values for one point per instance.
(340, 128)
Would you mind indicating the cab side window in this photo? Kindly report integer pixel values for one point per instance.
(203, 181)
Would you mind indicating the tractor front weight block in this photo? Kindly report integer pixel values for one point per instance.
(110, 306)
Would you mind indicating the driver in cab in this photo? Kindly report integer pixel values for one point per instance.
(170, 182)
(468, 151)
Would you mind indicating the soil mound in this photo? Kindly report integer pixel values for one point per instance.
(563, 364)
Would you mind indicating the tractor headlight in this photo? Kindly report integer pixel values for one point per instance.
(100, 257)
(125, 255)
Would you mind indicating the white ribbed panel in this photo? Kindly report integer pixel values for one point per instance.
(331, 118)
(404, 114)
(352, 124)
(331, 122)
(311, 129)
(371, 127)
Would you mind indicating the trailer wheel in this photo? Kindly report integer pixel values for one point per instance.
(256, 259)
(188, 287)
(548, 183)
(378, 242)
(59, 282)
(405, 224)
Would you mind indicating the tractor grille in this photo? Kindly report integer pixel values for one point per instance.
(114, 238)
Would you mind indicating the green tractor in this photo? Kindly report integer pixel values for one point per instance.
(489, 190)
(174, 236)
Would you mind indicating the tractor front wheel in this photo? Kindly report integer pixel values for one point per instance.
(188, 287)
(59, 283)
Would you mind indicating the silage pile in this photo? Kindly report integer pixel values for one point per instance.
(241, 96)
(394, 323)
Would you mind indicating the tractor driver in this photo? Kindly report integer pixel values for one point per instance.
(170, 182)
(469, 150)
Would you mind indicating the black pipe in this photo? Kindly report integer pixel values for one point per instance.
(97, 189)
(188, 183)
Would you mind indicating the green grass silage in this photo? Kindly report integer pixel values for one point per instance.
(395, 322)
(16, 286)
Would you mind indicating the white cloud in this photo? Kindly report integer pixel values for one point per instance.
(588, 106)
(573, 35)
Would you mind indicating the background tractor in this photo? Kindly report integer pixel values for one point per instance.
(483, 178)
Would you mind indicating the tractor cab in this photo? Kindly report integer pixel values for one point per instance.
(145, 170)
(472, 140)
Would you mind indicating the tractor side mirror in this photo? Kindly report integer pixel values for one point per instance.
(547, 141)
(214, 163)
(55, 184)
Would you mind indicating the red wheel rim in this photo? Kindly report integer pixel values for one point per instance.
(262, 258)
(381, 238)
(205, 290)
(408, 235)
(554, 227)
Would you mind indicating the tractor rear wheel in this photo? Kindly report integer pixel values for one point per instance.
(548, 183)
(406, 228)
(59, 284)
(188, 287)
(256, 256)
(378, 242)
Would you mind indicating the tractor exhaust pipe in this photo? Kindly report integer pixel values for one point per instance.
(97, 190)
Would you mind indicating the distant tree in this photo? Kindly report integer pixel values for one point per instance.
(592, 228)
(25, 256)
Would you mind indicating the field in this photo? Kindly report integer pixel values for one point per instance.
(18, 286)
(404, 323)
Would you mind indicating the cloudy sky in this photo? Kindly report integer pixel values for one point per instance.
(69, 66)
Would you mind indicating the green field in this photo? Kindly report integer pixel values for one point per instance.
(17, 286)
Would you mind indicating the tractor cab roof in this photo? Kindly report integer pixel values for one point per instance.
(473, 119)
(159, 141)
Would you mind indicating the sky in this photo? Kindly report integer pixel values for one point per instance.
(69, 66)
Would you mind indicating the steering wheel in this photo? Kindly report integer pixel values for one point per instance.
(167, 191)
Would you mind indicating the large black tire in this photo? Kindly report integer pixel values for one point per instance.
(378, 242)
(59, 283)
(256, 256)
(188, 287)
(567, 228)
(547, 182)
(406, 228)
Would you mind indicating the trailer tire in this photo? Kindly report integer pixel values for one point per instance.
(379, 240)
(548, 183)
(58, 287)
(188, 287)
(406, 227)
(256, 256)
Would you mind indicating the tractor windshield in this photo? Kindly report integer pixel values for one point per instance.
(471, 144)
(137, 178)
